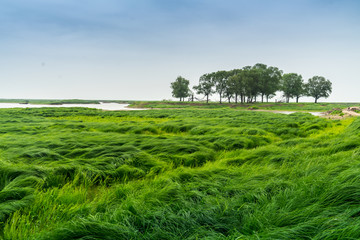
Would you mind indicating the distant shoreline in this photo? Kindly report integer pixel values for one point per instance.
(101, 106)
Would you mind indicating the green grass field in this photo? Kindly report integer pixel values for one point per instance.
(319, 107)
(74, 173)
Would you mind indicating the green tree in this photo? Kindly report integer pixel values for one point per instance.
(180, 88)
(318, 87)
(251, 78)
(220, 82)
(236, 84)
(273, 75)
(269, 80)
(229, 91)
(205, 86)
(292, 85)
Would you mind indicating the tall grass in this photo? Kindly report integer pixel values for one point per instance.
(177, 174)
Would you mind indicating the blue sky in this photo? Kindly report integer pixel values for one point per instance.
(133, 49)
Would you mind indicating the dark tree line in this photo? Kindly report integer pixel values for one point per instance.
(251, 83)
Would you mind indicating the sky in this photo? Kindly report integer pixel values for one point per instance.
(134, 49)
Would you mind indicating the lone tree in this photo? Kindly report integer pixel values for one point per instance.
(205, 86)
(292, 85)
(180, 88)
(318, 87)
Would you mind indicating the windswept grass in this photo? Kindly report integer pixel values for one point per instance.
(177, 174)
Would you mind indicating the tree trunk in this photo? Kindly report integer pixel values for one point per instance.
(297, 99)
(236, 98)
(267, 98)
(229, 99)
(220, 98)
(207, 98)
(316, 100)
(262, 97)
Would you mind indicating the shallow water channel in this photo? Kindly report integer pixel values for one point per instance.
(290, 112)
(103, 106)
(111, 107)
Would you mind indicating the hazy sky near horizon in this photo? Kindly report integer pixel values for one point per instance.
(134, 49)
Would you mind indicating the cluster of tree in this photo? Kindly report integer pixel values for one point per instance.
(251, 82)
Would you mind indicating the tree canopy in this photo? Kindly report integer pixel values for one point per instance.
(205, 86)
(292, 84)
(236, 84)
(318, 87)
(251, 82)
(268, 80)
(220, 82)
(180, 88)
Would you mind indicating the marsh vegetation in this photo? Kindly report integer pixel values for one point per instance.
(77, 173)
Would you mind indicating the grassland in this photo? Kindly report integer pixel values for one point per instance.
(221, 173)
(320, 107)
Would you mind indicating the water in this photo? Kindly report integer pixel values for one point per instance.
(107, 106)
(103, 106)
(290, 112)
